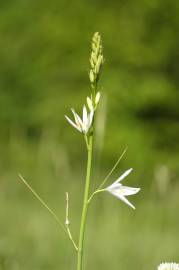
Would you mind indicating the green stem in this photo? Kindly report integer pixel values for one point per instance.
(94, 193)
(52, 213)
(85, 204)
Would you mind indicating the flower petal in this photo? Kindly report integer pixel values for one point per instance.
(85, 116)
(126, 173)
(75, 116)
(168, 266)
(126, 191)
(77, 119)
(122, 198)
(72, 123)
(90, 117)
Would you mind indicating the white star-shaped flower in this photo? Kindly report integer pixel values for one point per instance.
(168, 266)
(83, 125)
(120, 191)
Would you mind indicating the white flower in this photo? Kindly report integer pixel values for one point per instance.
(120, 191)
(83, 125)
(168, 266)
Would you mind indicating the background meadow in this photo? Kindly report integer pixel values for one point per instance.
(44, 54)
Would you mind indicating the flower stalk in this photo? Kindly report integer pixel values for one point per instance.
(96, 62)
(85, 204)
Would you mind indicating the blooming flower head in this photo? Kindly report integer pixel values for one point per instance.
(168, 266)
(120, 191)
(83, 125)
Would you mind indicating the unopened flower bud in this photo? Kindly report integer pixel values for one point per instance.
(94, 57)
(98, 64)
(97, 98)
(93, 46)
(95, 37)
(89, 103)
(91, 76)
(92, 63)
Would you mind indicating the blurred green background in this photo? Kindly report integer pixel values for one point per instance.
(44, 55)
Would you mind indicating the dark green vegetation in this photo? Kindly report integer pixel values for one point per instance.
(44, 52)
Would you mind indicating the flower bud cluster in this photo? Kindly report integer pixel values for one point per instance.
(84, 124)
(96, 59)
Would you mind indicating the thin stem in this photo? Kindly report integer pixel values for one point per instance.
(86, 140)
(94, 193)
(67, 222)
(71, 237)
(52, 213)
(85, 204)
(112, 170)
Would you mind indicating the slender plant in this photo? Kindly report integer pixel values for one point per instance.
(85, 126)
